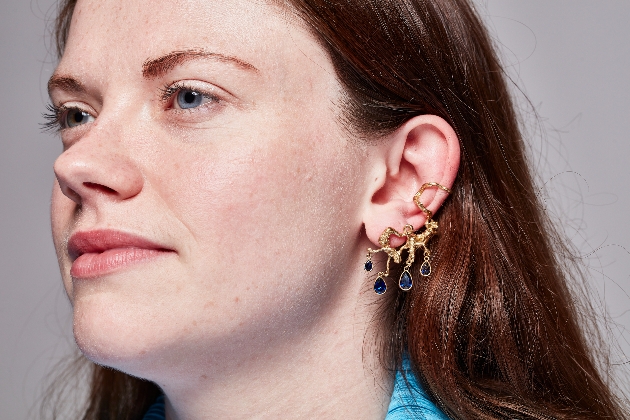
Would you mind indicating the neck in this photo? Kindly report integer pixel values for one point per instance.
(330, 370)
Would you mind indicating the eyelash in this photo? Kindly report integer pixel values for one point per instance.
(53, 118)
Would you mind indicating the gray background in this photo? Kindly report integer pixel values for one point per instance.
(570, 57)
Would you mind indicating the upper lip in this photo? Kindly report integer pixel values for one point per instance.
(97, 241)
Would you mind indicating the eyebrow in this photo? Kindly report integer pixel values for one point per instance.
(66, 83)
(157, 67)
(153, 68)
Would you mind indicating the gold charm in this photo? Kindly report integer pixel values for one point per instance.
(413, 242)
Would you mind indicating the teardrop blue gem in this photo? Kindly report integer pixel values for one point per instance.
(405, 281)
(379, 286)
(425, 268)
(368, 265)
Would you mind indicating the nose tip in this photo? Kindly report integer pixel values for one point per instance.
(85, 176)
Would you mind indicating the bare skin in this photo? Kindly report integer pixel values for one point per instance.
(260, 307)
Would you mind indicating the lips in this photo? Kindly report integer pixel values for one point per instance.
(99, 252)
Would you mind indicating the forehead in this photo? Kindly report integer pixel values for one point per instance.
(115, 35)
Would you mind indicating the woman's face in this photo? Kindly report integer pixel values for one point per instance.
(207, 199)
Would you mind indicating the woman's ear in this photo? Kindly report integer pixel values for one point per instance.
(424, 149)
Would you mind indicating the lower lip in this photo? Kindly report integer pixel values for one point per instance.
(93, 265)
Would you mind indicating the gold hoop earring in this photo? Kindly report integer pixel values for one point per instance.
(413, 242)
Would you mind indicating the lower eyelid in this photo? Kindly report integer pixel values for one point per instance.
(198, 115)
(201, 108)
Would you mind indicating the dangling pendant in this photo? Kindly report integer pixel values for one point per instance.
(368, 265)
(425, 268)
(405, 281)
(380, 286)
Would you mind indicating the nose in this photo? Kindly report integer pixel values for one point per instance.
(92, 170)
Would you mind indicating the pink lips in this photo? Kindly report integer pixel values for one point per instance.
(99, 252)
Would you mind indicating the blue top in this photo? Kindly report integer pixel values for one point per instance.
(409, 401)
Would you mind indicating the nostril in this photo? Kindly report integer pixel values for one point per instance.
(100, 188)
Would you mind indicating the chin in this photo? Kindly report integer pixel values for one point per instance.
(110, 334)
(119, 318)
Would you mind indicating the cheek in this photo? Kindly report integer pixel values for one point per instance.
(263, 198)
(61, 212)
(58, 210)
(268, 222)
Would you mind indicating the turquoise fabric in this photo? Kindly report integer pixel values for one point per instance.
(409, 401)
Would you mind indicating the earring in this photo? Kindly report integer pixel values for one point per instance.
(413, 242)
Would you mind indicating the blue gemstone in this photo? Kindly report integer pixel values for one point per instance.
(368, 265)
(425, 268)
(379, 286)
(405, 281)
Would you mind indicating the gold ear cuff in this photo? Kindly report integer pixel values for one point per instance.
(414, 241)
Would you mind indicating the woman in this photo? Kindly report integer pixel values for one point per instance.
(227, 165)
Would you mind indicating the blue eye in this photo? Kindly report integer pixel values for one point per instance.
(75, 117)
(183, 96)
(187, 99)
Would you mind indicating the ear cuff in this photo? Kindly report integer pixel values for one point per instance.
(414, 240)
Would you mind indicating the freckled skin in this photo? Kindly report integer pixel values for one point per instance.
(256, 194)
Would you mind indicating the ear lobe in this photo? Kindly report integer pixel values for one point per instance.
(423, 150)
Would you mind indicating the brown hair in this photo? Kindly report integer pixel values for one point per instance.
(493, 332)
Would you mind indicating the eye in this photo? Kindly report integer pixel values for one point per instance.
(59, 118)
(187, 99)
(75, 117)
(184, 96)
